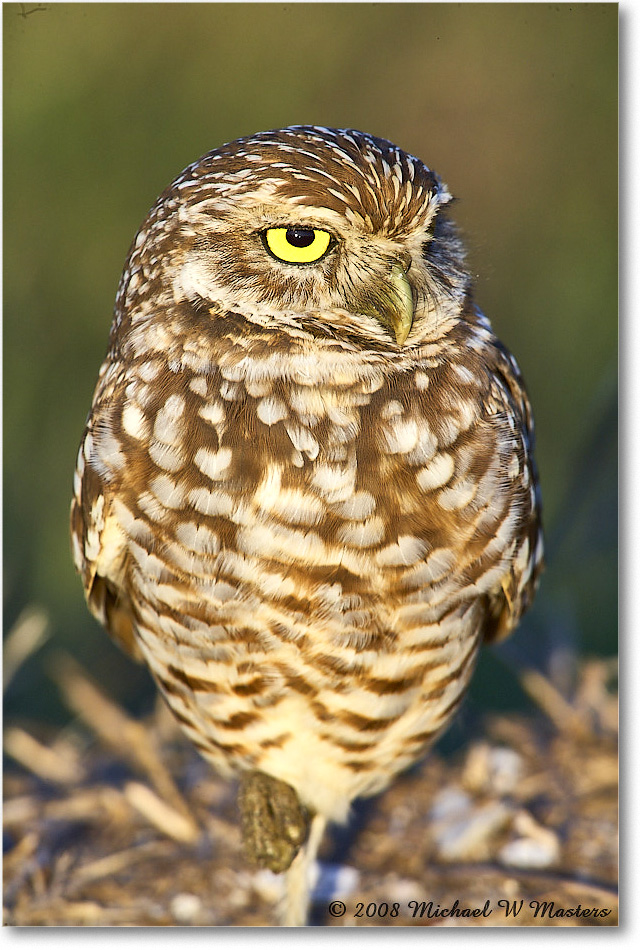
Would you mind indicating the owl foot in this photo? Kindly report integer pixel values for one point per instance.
(274, 822)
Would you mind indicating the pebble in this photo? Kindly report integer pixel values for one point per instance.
(466, 836)
(493, 769)
(537, 846)
(185, 907)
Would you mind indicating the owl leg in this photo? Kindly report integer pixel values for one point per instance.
(274, 822)
(296, 901)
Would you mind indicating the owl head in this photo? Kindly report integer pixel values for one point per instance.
(303, 229)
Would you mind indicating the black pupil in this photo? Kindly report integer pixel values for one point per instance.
(299, 237)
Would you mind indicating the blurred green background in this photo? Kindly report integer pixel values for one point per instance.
(515, 105)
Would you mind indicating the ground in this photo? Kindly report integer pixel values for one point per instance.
(119, 823)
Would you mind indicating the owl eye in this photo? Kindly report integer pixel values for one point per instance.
(297, 245)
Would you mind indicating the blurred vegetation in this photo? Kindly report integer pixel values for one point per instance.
(514, 104)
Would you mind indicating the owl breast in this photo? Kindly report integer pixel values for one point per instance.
(309, 544)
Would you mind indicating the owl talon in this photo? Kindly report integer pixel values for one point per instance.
(274, 822)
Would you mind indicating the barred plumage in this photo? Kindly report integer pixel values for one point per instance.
(306, 492)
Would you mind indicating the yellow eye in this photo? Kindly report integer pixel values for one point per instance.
(297, 245)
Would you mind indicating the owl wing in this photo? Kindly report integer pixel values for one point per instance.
(519, 584)
(100, 546)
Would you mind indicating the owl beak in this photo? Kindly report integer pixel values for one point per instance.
(403, 308)
(391, 303)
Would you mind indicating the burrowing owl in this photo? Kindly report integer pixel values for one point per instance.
(306, 492)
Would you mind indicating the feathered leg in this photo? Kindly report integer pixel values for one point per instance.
(296, 900)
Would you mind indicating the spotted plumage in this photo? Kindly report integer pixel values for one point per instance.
(306, 491)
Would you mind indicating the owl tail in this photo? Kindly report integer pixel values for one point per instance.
(296, 900)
